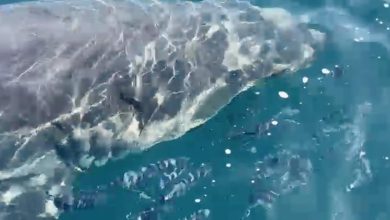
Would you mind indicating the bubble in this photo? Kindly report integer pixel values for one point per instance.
(274, 122)
(228, 151)
(253, 150)
(228, 165)
(197, 200)
(305, 79)
(325, 71)
(283, 94)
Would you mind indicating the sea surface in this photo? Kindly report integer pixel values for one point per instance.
(313, 145)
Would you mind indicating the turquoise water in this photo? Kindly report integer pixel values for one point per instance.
(341, 126)
(338, 123)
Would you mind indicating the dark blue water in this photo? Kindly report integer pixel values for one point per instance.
(335, 125)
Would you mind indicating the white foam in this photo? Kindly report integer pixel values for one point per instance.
(356, 166)
(13, 192)
(50, 209)
(56, 189)
(356, 137)
(42, 164)
(86, 161)
(160, 98)
(83, 135)
(39, 180)
(132, 130)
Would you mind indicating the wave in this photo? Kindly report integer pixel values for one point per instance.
(82, 82)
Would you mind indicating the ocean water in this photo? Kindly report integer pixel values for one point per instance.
(321, 153)
(338, 123)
